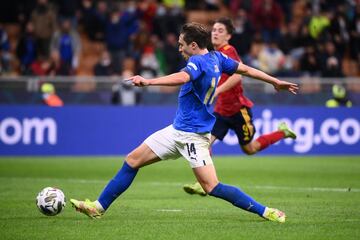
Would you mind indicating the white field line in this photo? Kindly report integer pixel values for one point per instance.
(169, 210)
(179, 184)
(286, 188)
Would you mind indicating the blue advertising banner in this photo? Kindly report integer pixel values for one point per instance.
(98, 130)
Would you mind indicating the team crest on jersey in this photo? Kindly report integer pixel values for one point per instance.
(216, 68)
(190, 64)
(226, 47)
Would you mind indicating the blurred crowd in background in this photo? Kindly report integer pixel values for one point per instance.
(122, 38)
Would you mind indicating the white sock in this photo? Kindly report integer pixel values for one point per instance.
(99, 207)
(266, 209)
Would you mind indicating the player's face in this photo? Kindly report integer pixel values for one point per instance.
(219, 35)
(185, 50)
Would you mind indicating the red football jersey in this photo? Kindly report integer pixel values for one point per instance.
(230, 102)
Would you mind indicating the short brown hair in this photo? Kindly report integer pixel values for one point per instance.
(196, 32)
(227, 23)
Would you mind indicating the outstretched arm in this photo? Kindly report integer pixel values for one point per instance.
(278, 84)
(174, 79)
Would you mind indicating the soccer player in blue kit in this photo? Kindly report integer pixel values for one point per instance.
(189, 134)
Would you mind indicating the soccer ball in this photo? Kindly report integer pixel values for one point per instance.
(50, 201)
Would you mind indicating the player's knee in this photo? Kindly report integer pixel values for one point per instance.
(249, 149)
(249, 152)
(132, 160)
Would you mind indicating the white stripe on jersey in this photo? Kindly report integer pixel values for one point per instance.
(193, 65)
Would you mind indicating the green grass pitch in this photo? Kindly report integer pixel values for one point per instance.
(320, 195)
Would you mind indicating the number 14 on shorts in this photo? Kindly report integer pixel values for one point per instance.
(191, 150)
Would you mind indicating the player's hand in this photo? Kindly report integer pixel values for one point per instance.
(284, 85)
(138, 81)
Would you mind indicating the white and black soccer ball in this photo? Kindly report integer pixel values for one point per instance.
(50, 201)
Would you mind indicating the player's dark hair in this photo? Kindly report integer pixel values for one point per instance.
(196, 32)
(227, 23)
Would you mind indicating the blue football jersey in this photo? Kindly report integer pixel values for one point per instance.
(195, 97)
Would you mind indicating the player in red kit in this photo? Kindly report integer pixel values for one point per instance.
(232, 109)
